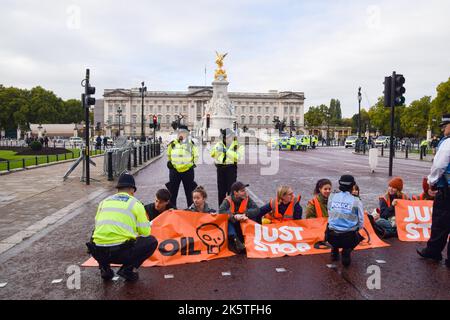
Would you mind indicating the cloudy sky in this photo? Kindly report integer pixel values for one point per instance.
(325, 49)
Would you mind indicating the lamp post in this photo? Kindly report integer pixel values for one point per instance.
(119, 112)
(359, 113)
(142, 90)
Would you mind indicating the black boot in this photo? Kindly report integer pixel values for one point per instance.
(236, 245)
(106, 272)
(335, 254)
(128, 274)
(425, 253)
(346, 259)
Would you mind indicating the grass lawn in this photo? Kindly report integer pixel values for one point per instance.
(19, 161)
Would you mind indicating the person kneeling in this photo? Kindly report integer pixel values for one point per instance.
(345, 219)
(122, 233)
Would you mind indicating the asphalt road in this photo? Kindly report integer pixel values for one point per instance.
(29, 268)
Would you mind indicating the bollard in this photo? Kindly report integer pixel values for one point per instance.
(8, 167)
(364, 149)
(148, 152)
(406, 152)
(134, 157)
(36, 160)
(152, 150)
(129, 160)
(421, 153)
(158, 149)
(247, 139)
(65, 156)
(140, 155)
(382, 150)
(23, 163)
(48, 159)
(145, 153)
(110, 170)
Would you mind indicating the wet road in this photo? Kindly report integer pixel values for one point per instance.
(30, 268)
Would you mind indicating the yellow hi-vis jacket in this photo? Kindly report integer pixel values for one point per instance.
(120, 217)
(292, 141)
(182, 155)
(233, 153)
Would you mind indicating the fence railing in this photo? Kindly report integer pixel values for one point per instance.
(404, 151)
(119, 160)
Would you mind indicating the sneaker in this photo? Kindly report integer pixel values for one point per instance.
(106, 273)
(128, 274)
(346, 259)
(335, 254)
(237, 245)
(380, 232)
(424, 253)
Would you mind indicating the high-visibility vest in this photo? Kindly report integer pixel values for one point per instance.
(182, 155)
(292, 141)
(120, 218)
(242, 207)
(224, 155)
(420, 197)
(276, 216)
(387, 199)
(316, 203)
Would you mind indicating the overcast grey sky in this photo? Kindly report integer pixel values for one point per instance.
(324, 48)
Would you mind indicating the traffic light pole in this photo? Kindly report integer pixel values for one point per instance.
(86, 114)
(391, 143)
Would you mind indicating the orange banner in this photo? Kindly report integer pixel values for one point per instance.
(297, 237)
(186, 237)
(413, 219)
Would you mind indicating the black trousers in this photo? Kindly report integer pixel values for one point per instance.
(226, 176)
(175, 178)
(440, 224)
(130, 254)
(345, 240)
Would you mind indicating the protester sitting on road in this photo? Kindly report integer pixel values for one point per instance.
(355, 191)
(122, 232)
(385, 218)
(424, 195)
(199, 204)
(317, 207)
(239, 206)
(346, 218)
(161, 204)
(286, 206)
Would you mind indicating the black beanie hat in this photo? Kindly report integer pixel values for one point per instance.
(346, 182)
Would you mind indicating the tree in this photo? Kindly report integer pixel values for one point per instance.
(415, 118)
(72, 111)
(380, 118)
(316, 116)
(440, 105)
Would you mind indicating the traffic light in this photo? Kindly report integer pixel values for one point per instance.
(155, 121)
(387, 91)
(208, 121)
(399, 90)
(90, 101)
(234, 125)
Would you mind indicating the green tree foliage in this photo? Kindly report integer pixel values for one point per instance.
(414, 120)
(440, 105)
(20, 107)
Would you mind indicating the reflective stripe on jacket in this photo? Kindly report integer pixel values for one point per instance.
(182, 155)
(275, 216)
(224, 155)
(120, 218)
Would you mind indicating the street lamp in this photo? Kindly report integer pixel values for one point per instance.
(119, 111)
(359, 112)
(142, 90)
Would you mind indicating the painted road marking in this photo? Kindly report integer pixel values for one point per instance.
(226, 273)
(57, 281)
(168, 276)
(2, 285)
(280, 269)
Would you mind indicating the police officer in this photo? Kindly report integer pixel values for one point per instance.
(226, 154)
(293, 143)
(439, 181)
(122, 232)
(182, 156)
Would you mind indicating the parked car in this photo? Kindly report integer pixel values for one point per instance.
(350, 141)
(382, 141)
(76, 141)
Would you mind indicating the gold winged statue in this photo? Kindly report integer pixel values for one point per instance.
(220, 73)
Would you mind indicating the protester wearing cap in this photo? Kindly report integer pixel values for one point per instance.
(182, 156)
(226, 154)
(345, 219)
(439, 182)
(122, 232)
(385, 219)
(239, 206)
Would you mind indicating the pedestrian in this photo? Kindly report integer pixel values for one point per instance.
(318, 206)
(98, 141)
(226, 154)
(292, 143)
(46, 141)
(423, 147)
(239, 207)
(346, 218)
(182, 156)
(122, 232)
(433, 144)
(161, 204)
(385, 218)
(105, 142)
(439, 181)
(286, 206)
(199, 196)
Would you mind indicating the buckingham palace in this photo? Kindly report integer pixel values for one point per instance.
(253, 110)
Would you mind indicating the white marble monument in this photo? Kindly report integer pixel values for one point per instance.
(219, 108)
